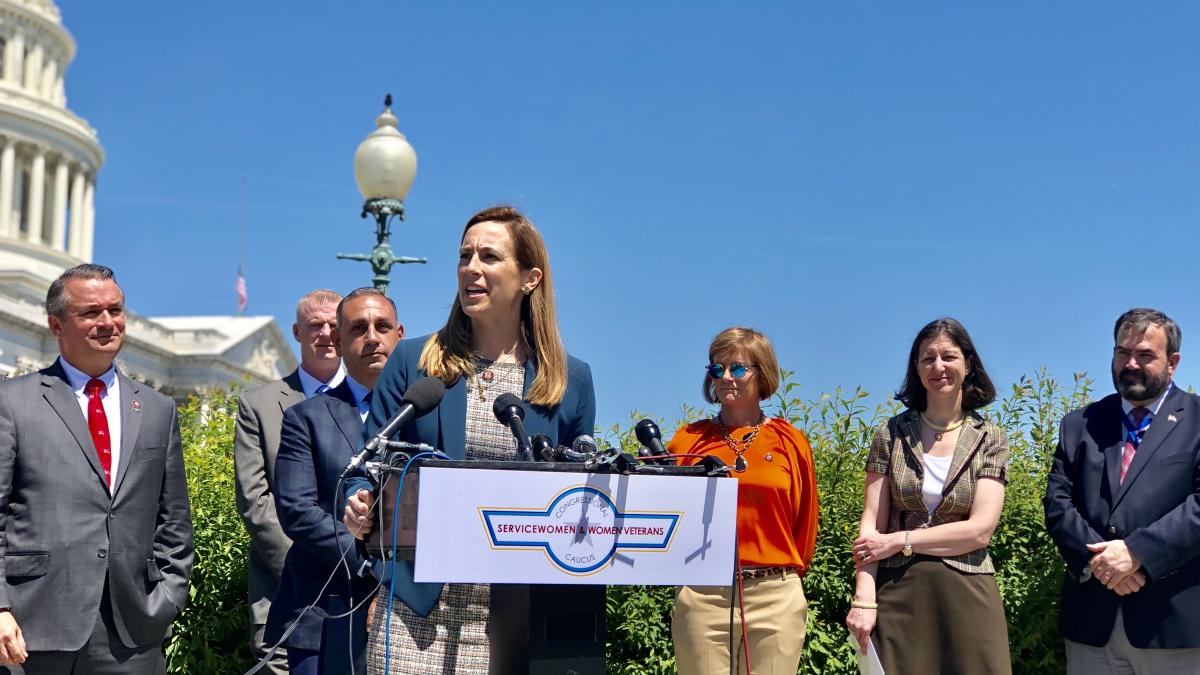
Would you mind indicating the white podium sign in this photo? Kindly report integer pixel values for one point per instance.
(535, 527)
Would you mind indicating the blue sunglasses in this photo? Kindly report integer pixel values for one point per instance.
(717, 370)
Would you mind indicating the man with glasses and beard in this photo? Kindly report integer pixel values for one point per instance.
(1123, 505)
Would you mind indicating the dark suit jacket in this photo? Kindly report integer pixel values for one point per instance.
(446, 429)
(319, 437)
(255, 445)
(1156, 510)
(61, 531)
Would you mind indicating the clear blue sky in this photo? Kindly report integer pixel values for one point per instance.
(835, 174)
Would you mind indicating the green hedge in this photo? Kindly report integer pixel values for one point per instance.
(210, 636)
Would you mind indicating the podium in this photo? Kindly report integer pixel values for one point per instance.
(550, 537)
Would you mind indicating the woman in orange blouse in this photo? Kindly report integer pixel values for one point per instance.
(776, 519)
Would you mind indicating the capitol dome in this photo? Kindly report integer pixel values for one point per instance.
(49, 156)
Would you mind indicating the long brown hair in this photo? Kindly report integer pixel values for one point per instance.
(447, 354)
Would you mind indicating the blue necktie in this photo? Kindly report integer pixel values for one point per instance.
(1136, 423)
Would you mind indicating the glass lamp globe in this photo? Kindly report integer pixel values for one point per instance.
(385, 164)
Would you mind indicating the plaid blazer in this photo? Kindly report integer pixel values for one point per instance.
(896, 452)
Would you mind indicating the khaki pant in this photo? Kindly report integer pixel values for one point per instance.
(1121, 658)
(776, 616)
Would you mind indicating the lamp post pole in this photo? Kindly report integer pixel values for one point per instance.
(384, 168)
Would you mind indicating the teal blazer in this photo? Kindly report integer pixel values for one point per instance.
(446, 427)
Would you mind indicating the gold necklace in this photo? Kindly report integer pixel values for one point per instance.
(484, 380)
(740, 447)
(938, 430)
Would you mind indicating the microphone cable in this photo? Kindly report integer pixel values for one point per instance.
(737, 595)
(349, 579)
(387, 634)
(741, 596)
(341, 565)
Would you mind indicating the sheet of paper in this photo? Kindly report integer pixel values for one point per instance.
(868, 664)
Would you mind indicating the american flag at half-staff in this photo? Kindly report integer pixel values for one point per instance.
(240, 289)
(239, 286)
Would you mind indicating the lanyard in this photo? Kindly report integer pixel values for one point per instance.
(1134, 434)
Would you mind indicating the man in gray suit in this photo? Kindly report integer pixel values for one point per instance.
(95, 528)
(256, 443)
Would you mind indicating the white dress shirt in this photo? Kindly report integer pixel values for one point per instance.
(1127, 406)
(110, 398)
(310, 384)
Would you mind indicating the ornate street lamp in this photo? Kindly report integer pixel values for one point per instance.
(384, 168)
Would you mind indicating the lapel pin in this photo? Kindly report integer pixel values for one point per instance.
(1171, 418)
(137, 406)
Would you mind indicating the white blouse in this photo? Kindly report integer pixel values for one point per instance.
(936, 469)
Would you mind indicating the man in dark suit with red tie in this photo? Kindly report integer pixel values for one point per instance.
(1123, 505)
(95, 529)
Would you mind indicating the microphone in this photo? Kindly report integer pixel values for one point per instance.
(648, 435)
(422, 397)
(580, 451)
(542, 447)
(585, 444)
(508, 410)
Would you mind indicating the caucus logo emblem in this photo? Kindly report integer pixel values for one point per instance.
(580, 530)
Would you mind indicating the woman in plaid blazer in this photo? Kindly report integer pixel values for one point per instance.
(934, 493)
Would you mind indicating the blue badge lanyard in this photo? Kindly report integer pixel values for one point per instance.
(1132, 434)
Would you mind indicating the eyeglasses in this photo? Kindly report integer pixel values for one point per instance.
(738, 370)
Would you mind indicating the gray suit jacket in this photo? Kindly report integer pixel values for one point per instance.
(62, 532)
(255, 445)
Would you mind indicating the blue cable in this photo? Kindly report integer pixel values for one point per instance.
(387, 627)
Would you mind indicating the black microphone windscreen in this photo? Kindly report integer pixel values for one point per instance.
(425, 394)
(647, 430)
(503, 407)
(542, 446)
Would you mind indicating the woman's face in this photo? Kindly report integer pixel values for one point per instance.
(941, 366)
(731, 391)
(490, 281)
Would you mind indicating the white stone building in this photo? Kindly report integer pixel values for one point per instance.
(49, 158)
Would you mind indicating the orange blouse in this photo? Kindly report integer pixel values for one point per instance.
(777, 494)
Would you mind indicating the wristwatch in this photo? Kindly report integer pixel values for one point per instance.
(907, 550)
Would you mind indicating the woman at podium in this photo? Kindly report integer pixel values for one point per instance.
(501, 337)
(776, 519)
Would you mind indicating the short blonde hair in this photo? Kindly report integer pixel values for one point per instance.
(758, 351)
(321, 296)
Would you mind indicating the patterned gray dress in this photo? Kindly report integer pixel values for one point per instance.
(454, 637)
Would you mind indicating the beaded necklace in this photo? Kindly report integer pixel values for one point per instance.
(740, 447)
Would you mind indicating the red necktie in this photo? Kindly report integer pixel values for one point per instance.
(98, 425)
(1137, 415)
